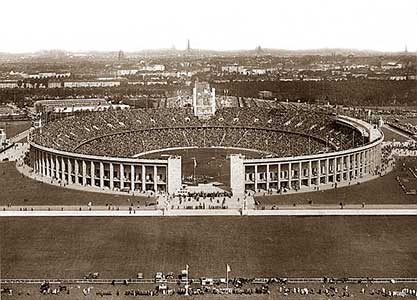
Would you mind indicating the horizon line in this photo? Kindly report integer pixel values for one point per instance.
(210, 50)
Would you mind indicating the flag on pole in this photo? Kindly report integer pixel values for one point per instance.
(195, 162)
(228, 268)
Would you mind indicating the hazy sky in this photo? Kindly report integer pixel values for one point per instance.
(28, 25)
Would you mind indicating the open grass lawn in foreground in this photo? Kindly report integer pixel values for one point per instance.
(253, 246)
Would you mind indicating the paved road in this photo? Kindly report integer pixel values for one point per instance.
(127, 211)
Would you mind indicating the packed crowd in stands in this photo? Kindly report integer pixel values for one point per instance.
(288, 130)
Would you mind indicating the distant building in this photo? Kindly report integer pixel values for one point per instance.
(8, 84)
(121, 55)
(265, 94)
(204, 100)
(91, 84)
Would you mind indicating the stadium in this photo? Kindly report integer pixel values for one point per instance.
(293, 146)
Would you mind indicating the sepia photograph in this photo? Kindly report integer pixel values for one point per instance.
(218, 150)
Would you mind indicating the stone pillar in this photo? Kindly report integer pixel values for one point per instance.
(55, 167)
(267, 177)
(93, 173)
(348, 166)
(310, 172)
(318, 171)
(334, 169)
(111, 170)
(63, 169)
(132, 177)
(143, 178)
(101, 175)
(155, 179)
(237, 174)
(122, 176)
(48, 170)
(326, 178)
(84, 172)
(174, 175)
(279, 176)
(289, 176)
(299, 174)
(256, 178)
(76, 172)
(69, 171)
(43, 164)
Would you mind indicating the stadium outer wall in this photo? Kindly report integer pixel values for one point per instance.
(107, 173)
(299, 173)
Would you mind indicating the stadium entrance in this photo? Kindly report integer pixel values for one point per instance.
(205, 165)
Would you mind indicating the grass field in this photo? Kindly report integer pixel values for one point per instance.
(15, 127)
(20, 190)
(253, 246)
(391, 136)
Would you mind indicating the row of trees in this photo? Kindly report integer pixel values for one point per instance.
(350, 92)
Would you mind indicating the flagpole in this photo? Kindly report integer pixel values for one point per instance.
(186, 282)
(227, 278)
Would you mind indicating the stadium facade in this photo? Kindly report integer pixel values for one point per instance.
(133, 173)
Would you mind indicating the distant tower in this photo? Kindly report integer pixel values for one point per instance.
(406, 50)
(188, 46)
(258, 50)
(121, 55)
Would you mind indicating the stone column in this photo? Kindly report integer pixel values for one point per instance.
(48, 170)
(111, 170)
(267, 177)
(143, 178)
(318, 171)
(326, 178)
(63, 169)
(76, 172)
(310, 172)
(289, 176)
(279, 176)
(155, 179)
(93, 173)
(256, 178)
(299, 174)
(122, 176)
(84, 172)
(348, 166)
(55, 167)
(69, 171)
(132, 177)
(101, 175)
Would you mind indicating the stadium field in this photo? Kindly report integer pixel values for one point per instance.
(15, 127)
(253, 246)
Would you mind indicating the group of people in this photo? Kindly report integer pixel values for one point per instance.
(284, 131)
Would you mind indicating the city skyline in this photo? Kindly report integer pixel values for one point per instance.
(385, 26)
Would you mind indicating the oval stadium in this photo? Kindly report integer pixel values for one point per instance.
(276, 148)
